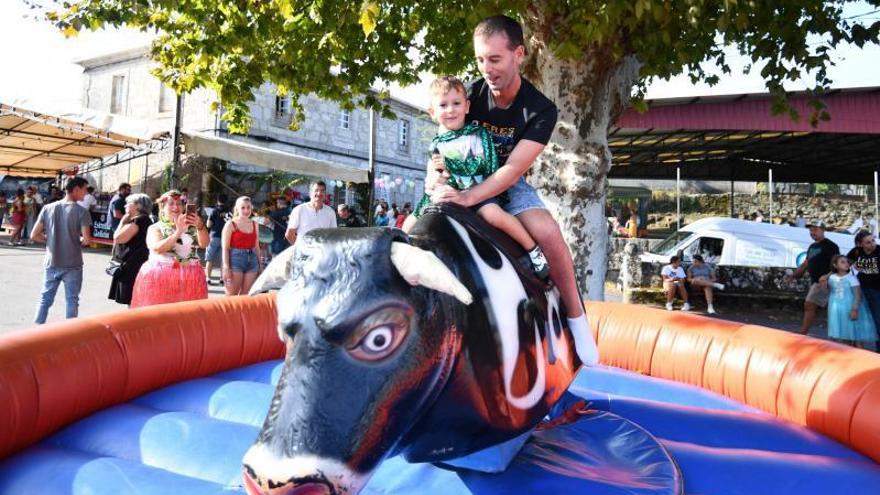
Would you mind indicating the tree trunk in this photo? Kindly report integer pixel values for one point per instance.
(571, 174)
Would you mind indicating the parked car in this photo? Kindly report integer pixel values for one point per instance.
(730, 241)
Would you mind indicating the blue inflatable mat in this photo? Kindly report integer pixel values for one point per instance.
(190, 438)
(600, 454)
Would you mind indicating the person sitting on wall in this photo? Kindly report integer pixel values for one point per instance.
(673, 281)
(702, 275)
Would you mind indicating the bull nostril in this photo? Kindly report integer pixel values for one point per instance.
(310, 489)
(252, 487)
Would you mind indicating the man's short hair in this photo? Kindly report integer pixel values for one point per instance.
(318, 183)
(124, 185)
(74, 183)
(861, 236)
(674, 259)
(445, 84)
(501, 24)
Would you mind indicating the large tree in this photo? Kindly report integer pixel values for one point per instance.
(587, 56)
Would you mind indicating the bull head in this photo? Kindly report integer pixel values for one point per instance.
(371, 341)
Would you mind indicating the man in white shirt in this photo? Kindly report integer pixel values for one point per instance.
(89, 200)
(312, 215)
(673, 281)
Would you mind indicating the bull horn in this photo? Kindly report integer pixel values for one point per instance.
(276, 273)
(421, 267)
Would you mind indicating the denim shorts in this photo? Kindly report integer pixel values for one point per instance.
(243, 260)
(214, 253)
(521, 197)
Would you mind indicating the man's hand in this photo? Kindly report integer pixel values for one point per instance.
(854, 314)
(823, 280)
(447, 194)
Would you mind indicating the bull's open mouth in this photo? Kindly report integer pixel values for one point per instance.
(316, 484)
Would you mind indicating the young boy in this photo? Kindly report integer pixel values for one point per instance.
(469, 157)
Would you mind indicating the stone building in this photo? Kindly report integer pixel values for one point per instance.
(120, 83)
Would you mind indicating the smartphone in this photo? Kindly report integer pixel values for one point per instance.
(192, 209)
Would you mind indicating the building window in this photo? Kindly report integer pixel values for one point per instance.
(117, 95)
(282, 106)
(403, 134)
(345, 119)
(167, 98)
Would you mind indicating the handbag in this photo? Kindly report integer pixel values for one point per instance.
(114, 264)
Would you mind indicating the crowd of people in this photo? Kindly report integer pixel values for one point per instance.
(155, 257)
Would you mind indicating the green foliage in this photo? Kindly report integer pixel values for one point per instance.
(338, 49)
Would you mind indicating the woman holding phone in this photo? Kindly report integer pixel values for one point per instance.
(241, 249)
(173, 271)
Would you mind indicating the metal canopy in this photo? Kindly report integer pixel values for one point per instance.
(734, 137)
(248, 152)
(744, 155)
(37, 144)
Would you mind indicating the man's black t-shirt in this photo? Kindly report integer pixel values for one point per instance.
(819, 258)
(531, 116)
(218, 221)
(868, 266)
(117, 204)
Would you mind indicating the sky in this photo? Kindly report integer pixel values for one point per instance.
(36, 63)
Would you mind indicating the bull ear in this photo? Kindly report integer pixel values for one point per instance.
(421, 267)
(275, 274)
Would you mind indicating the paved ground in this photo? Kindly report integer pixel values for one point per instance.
(21, 279)
(21, 272)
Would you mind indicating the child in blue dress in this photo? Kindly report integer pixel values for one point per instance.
(849, 319)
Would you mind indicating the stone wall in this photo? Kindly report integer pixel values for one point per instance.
(616, 246)
(837, 212)
(637, 278)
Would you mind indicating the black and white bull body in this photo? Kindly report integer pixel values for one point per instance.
(472, 355)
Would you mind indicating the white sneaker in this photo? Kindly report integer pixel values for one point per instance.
(711, 310)
(669, 306)
(686, 307)
(718, 286)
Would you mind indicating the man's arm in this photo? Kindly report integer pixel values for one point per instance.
(38, 234)
(86, 233)
(801, 269)
(117, 213)
(292, 225)
(520, 159)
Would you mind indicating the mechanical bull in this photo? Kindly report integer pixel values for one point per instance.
(434, 345)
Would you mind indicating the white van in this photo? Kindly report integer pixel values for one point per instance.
(730, 241)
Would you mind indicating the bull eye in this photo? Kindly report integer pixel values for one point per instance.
(379, 335)
(378, 340)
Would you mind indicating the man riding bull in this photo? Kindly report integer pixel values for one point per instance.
(521, 120)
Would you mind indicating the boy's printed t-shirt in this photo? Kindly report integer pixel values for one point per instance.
(531, 116)
(468, 155)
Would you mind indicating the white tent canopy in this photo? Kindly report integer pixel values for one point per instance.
(241, 151)
(40, 142)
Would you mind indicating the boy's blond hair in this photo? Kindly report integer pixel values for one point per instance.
(445, 84)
